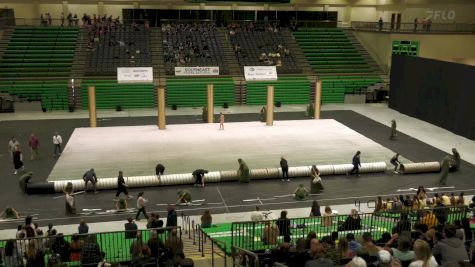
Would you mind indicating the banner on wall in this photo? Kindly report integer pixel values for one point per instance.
(260, 73)
(196, 71)
(135, 75)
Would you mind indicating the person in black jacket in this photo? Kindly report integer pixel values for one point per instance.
(199, 175)
(159, 170)
(121, 186)
(352, 222)
(284, 224)
(285, 169)
(356, 164)
(404, 224)
(171, 217)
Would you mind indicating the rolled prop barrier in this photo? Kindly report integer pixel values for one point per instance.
(220, 176)
(420, 167)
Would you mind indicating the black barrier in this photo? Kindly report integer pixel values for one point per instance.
(40, 188)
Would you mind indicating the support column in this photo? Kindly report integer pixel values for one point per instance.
(92, 106)
(161, 108)
(100, 9)
(270, 106)
(210, 103)
(318, 99)
(65, 11)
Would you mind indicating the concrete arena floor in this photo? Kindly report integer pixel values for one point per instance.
(339, 189)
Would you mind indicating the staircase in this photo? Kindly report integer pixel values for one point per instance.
(156, 52)
(367, 57)
(5, 39)
(228, 53)
(297, 52)
(77, 70)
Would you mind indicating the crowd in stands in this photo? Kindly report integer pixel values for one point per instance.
(421, 237)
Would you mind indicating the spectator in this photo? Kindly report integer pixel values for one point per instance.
(136, 246)
(415, 24)
(301, 255)
(83, 228)
(352, 244)
(385, 259)
(61, 247)
(50, 229)
(130, 228)
(315, 211)
(352, 222)
(344, 251)
(57, 141)
(18, 160)
(155, 245)
(270, 234)
(171, 216)
(429, 219)
(256, 215)
(404, 224)
(380, 24)
(30, 229)
(357, 262)
(12, 256)
(317, 256)
(327, 219)
(367, 246)
(34, 145)
(206, 219)
(423, 255)
(76, 247)
(283, 223)
(450, 248)
(403, 251)
(91, 253)
(174, 243)
(329, 249)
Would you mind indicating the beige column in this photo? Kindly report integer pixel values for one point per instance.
(100, 8)
(210, 103)
(65, 11)
(161, 108)
(270, 106)
(92, 106)
(318, 99)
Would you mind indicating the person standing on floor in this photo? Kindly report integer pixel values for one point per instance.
(70, 201)
(121, 186)
(356, 164)
(455, 163)
(159, 170)
(34, 145)
(395, 161)
(171, 216)
(12, 144)
(393, 130)
(57, 141)
(18, 160)
(444, 170)
(199, 177)
(90, 176)
(141, 201)
(285, 169)
(221, 121)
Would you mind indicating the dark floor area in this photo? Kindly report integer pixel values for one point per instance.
(338, 189)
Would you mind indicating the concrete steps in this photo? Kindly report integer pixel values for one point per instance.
(297, 52)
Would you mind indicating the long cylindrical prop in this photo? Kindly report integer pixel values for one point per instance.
(270, 106)
(318, 99)
(92, 106)
(420, 167)
(210, 115)
(161, 108)
(220, 176)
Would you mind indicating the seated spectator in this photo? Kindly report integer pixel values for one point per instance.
(50, 229)
(311, 235)
(450, 248)
(352, 222)
(301, 255)
(344, 251)
(404, 224)
(12, 256)
(315, 211)
(34, 256)
(429, 219)
(386, 260)
(155, 244)
(91, 253)
(61, 247)
(144, 259)
(368, 248)
(445, 200)
(270, 234)
(317, 255)
(352, 244)
(83, 228)
(284, 224)
(329, 249)
(423, 255)
(174, 243)
(385, 237)
(136, 246)
(357, 262)
(206, 219)
(327, 219)
(403, 251)
(76, 247)
(256, 215)
(10, 213)
(130, 228)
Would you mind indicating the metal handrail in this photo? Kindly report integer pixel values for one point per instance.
(418, 27)
(238, 251)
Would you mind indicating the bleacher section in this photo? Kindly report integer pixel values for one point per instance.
(123, 46)
(334, 88)
(192, 92)
(39, 52)
(287, 90)
(198, 43)
(53, 94)
(254, 43)
(110, 94)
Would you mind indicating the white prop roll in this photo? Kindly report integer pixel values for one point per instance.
(223, 176)
(420, 167)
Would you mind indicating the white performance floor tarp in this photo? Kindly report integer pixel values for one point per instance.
(183, 148)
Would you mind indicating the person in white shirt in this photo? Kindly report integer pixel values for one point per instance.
(141, 201)
(57, 141)
(12, 145)
(423, 255)
(257, 215)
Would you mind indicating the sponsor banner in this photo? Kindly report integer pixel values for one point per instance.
(260, 73)
(196, 71)
(135, 75)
